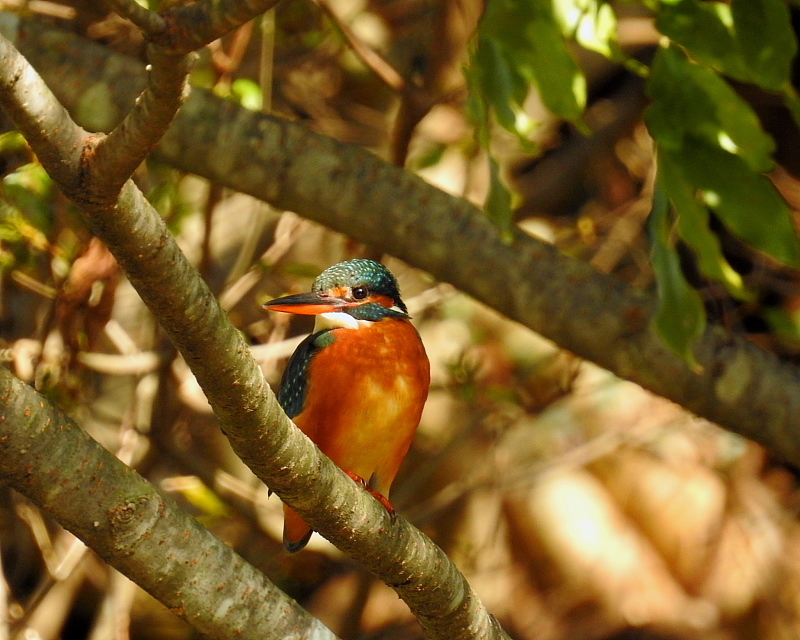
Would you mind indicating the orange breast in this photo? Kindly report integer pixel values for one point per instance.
(365, 397)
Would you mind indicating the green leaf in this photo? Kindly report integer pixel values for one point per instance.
(428, 156)
(766, 40)
(30, 189)
(247, 93)
(705, 29)
(689, 99)
(745, 201)
(692, 227)
(792, 100)
(562, 86)
(528, 37)
(12, 142)
(498, 202)
(680, 318)
(499, 82)
(749, 40)
(591, 23)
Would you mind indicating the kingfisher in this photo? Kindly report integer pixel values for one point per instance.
(357, 385)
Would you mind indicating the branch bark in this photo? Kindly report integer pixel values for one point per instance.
(249, 414)
(741, 387)
(113, 158)
(45, 456)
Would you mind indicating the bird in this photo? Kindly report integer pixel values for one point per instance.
(356, 386)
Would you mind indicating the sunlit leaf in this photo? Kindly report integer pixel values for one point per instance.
(692, 227)
(591, 23)
(562, 86)
(680, 318)
(689, 99)
(749, 40)
(744, 200)
(11, 142)
(198, 495)
(529, 39)
(706, 30)
(428, 157)
(247, 93)
(30, 189)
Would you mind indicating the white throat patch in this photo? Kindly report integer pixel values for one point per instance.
(337, 320)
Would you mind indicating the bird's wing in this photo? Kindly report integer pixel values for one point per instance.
(294, 383)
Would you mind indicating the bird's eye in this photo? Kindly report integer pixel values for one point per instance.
(359, 293)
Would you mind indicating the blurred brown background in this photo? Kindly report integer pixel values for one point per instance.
(578, 505)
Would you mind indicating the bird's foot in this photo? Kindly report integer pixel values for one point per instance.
(378, 496)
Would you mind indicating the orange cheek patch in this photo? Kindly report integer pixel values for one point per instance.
(384, 301)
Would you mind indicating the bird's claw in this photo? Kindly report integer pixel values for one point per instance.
(378, 496)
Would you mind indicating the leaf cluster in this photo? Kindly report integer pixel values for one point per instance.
(712, 150)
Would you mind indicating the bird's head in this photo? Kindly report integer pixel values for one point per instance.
(363, 289)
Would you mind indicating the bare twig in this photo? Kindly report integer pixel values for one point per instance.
(227, 62)
(4, 597)
(116, 156)
(371, 58)
(193, 26)
(113, 621)
(151, 23)
(212, 200)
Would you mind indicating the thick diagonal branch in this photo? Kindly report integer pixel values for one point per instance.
(141, 532)
(249, 414)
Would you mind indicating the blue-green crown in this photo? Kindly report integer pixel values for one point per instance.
(361, 273)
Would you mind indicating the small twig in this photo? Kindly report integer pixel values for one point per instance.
(5, 594)
(42, 7)
(23, 279)
(151, 23)
(198, 24)
(289, 227)
(415, 100)
(113, 621)
(371, 58)
(212, 200)
(48, 614)
(267, 59)
(116, 156)
(349, 626)
(121, 365)
(628, 226)
(227, 62)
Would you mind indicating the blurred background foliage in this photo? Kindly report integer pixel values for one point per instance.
(578, 505)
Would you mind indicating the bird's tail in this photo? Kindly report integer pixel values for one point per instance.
(296, 532)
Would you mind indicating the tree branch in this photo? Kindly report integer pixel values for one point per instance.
(45, 456)
(259, 431)
(115, 157)
(151, 23)
(195, 25)
(597, 317)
